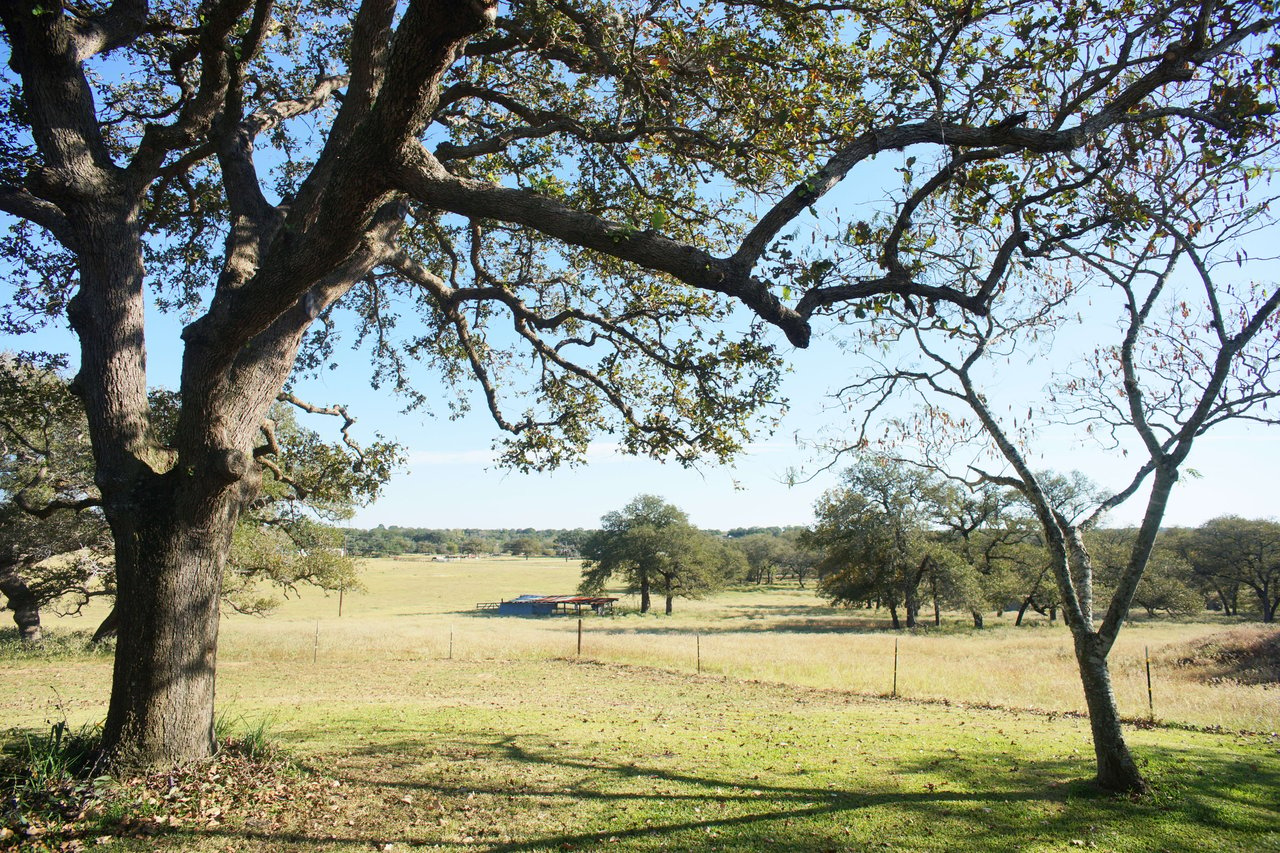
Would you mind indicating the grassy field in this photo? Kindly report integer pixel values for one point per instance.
(425, 725)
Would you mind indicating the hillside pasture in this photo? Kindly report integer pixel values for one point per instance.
(413, 607)
(785, 741)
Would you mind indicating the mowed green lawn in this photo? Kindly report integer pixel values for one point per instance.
(781, 742)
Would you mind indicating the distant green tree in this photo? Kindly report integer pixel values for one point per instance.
(1242, 553)
(694, 563)
(526, 546)
(987, 534)
(476, 545)
(654, 547)
(1166, 585)
(774, 552)
(568, 543)
(872, 534)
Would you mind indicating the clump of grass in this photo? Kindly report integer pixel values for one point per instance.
(48, 779)
(251, 739)
(1240, 656)
(56, 795)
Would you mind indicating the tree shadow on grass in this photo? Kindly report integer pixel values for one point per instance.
(1005, 812)
(548, 795)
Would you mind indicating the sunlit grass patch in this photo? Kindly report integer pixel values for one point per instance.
(556, 755)
(443, 728)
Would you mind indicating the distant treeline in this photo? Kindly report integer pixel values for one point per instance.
(383, 541)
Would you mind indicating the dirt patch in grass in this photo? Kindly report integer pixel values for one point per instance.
(1240, 656)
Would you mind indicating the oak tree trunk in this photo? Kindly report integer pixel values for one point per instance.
(670, 599)
(169, 561)
(645, 602)
(23, 603)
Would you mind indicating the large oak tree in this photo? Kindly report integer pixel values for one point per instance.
(566, 188)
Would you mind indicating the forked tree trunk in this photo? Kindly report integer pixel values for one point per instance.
(1117, 771)
(23, 603)
(169, 560)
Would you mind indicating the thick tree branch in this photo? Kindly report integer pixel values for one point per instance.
(423, 178)
(46, 214)
(122, 22)
(201, 109)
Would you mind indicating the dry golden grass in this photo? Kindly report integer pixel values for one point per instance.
(514, 746)
(418, 610)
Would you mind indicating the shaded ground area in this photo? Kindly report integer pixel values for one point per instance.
(1248, 655)
(558, 755)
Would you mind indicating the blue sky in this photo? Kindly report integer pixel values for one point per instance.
(451, 481)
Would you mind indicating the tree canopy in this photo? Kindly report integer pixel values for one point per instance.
(566, 191)
(655, 549)
(1228, 553)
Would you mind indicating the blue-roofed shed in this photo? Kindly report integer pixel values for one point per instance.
(550, 605)
(526, 605)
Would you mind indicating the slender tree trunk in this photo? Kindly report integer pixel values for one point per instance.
(1117, 771)
(1022, 611)
(893, 616)
(644, 592)
(670, 599)
(23, 603)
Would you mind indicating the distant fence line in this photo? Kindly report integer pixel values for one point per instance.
(697, 656)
